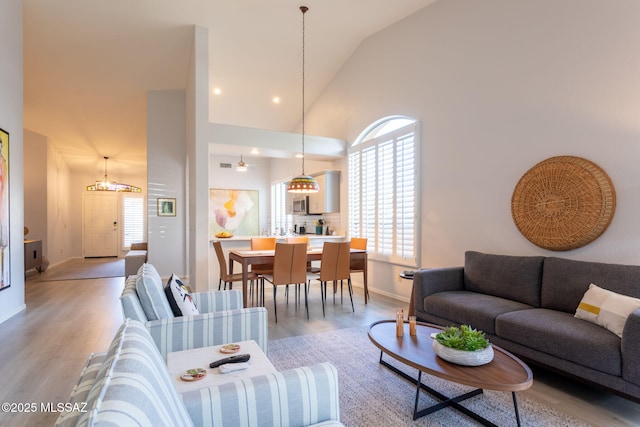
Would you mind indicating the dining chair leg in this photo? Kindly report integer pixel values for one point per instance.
(351, 294)
(306, 300)
(219, 283)
(275, 307)
(323, 291)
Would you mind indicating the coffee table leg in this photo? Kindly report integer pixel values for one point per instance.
(515, 406)
(445, 401)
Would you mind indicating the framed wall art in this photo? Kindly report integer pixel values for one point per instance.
(235, 211)
(5, 264)
(167, 207)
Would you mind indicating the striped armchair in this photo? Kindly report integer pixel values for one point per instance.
(130, 385)
(221, 320)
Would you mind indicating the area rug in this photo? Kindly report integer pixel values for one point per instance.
(84, 268)
(372, 395)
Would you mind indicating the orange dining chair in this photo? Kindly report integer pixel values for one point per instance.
(357, 265)
(298, 239)
(289, 268)
(262, 244)
(225, 277)
(334, 266)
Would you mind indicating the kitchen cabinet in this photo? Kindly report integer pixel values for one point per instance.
(327, 200)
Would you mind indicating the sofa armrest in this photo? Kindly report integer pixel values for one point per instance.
(298, 397)
(431, 281)
(208, 302)
(204, 330)
(630, 348)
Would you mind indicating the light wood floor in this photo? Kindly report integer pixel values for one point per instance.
(43, 349)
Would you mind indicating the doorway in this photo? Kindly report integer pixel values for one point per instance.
(100, 225)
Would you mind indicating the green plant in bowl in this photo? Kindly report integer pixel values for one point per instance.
(463, 338)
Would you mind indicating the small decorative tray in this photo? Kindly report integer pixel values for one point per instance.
(193, 374)
(230, 348)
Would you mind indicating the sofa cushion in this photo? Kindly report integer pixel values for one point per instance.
(470, 308)
(131, 308)
(151, 293)
(136, 388)
(607, 309)
(81, 390)
(562, 335)
(565, 281)
(296, 397)
(179, 299)
(516, 278)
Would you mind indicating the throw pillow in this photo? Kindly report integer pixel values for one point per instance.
(606, 308)
(179, 298)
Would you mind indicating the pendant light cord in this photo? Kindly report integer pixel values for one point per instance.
(304, 10)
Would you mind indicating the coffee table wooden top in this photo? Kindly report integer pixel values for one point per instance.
(504, 373)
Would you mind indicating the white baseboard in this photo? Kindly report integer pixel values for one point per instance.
(10, 315)
(380, 292)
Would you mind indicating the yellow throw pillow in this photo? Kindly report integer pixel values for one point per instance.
(607, 309)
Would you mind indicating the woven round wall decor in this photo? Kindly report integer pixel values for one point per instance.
(563, 203)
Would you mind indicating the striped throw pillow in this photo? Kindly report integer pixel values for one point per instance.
(606, 308)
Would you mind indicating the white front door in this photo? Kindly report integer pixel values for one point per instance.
(100, 224)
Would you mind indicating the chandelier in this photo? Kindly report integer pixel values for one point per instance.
(107, 185)
(303, 183)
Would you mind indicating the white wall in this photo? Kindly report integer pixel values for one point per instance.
(197, 161)
(166, 177)
(35, 187)
(11, 83)
(497, 87)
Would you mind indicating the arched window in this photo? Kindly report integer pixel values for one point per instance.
(383, 189)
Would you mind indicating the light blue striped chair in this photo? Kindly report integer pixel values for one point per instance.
(221, 320)
(129, 385)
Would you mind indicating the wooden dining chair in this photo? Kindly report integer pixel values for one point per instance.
(227, 278)
(334, 267)
(262, 244)
(357, 265)
(303, 239)
(298, 239)
(289, 268)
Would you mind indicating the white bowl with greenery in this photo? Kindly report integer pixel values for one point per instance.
(463, 345)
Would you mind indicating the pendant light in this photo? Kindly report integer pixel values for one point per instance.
(107, 185)
(242, 166)
(303, 183)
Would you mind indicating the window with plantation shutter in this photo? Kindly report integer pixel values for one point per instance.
(383, 191)
(280, 219)
(133, 219)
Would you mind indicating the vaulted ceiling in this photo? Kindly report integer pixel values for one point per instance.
(89, 64)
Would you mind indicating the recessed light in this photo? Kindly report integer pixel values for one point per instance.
(255, 151)
(299, 155)
(217, 91)
(276, 100)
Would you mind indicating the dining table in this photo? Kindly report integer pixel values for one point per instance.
(246, 257)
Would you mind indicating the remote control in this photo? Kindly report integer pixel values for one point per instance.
(239, 358)
(232, 367)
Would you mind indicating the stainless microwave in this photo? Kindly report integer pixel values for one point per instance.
(300, 205)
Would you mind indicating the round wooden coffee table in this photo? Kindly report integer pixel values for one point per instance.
(504, 373)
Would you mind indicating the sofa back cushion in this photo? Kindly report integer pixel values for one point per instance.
(565, 281)
(131, 307)
(134, 387)
(517, 278)
(150, 290)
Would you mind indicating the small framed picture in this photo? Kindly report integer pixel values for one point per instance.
(167, 207)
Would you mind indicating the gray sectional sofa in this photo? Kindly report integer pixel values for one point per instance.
(526, 305)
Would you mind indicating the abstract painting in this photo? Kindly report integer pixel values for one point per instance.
(235, 211)
(5, 264)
